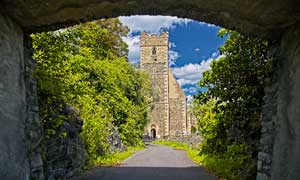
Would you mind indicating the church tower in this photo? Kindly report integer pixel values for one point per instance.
(154, 60)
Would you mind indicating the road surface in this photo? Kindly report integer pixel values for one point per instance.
(156, 162)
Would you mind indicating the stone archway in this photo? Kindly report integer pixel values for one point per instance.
(153, 130)
(275, 19)
(153, 133)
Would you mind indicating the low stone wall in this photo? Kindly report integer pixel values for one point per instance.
(33, 123)
(264, 159)
(192, 140)
(64, 152)
(115, 142)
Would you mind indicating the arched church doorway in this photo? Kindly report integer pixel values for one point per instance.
(153, 133)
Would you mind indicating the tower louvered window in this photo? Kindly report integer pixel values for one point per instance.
(154, 51)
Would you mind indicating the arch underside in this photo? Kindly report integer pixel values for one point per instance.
(258, 17)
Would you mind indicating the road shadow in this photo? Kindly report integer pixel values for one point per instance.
(146, 173)
(148, 141)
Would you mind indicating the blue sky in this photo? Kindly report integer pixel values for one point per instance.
(192, 45)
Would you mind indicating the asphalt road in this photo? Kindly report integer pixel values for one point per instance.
(156, 162)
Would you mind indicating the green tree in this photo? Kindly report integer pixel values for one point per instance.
(229, 111)
(85, 66)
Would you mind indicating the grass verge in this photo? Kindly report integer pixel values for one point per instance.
(222, 167)
(115, 159)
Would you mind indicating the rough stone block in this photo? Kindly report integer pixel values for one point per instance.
(261, 176)
(259, 165)
(266, 158)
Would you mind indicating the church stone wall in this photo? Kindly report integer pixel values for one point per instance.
(168, 115)
(154, 60)
(177, 101)
(191, 118)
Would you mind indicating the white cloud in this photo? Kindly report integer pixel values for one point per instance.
(152, 24)
(172, 45)
(215, 54)
(192, 73)
(209, 25)
(133, 47)
(173, 56)
(206, 24)
(189, 99)
(197, 49)
(190, 90)
(134, 50)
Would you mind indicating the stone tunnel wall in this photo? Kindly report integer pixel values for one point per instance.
(286, 150)
(279, 157)
(20, 132)
(14, 163)
(21, 128)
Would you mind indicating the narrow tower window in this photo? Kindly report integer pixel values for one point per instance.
(154, 51)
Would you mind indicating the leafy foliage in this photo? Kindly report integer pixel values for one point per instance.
(84, 66)
(229, 111)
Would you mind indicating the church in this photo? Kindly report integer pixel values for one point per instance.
(168, 116)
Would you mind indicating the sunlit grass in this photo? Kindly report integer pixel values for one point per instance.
(115, 159)
(222, 167)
